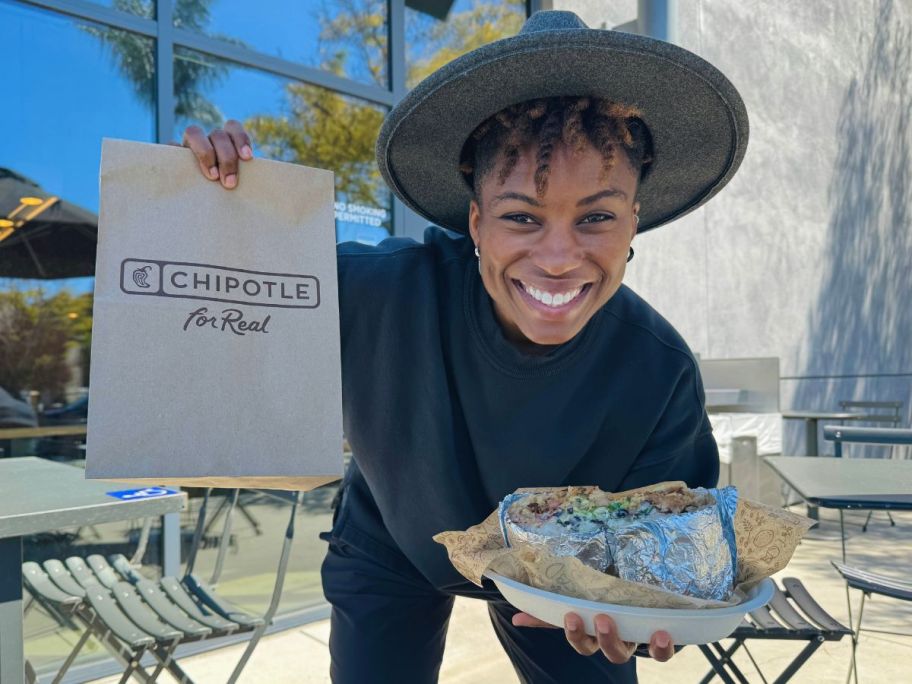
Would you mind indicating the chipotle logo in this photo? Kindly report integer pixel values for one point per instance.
(219, 284)
(185, 280)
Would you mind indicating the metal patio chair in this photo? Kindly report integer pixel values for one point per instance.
(132, 615)
(103, 617)
(791, 615)
(870, 583)
(884, 412)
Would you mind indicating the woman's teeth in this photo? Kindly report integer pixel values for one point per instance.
(552, 299)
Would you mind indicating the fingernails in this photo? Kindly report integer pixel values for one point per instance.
(246, 152)
(213, 172)
(662, 641)
(230, 180)
(602, 627)
(571, 625)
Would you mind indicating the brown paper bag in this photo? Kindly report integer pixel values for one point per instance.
(215, 348)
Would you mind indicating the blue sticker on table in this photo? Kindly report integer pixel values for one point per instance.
(144, 493)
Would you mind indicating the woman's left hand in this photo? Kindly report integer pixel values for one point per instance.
(608, 642)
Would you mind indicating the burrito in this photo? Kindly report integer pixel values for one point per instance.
(669, 536)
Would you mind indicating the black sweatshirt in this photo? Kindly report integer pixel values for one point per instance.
(445, 416)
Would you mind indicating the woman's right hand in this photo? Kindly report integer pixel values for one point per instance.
(219, 151)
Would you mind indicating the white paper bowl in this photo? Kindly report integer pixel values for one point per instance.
(686, 626)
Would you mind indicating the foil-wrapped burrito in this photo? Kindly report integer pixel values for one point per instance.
(669, 536)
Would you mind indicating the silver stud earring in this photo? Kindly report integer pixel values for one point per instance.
(477, 254)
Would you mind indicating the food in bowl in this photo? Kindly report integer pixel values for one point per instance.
(669, 536)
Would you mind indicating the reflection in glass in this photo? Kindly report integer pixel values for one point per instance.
(430, 43)
(141, 8)
(345, 37)
(254, 546)
(299, 123)
(44, 348)
(66, 84)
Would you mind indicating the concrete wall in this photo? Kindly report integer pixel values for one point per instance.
(807, 253)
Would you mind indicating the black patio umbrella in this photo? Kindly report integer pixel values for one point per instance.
(41, 235)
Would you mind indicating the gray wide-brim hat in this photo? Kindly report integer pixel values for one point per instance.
(695, 115)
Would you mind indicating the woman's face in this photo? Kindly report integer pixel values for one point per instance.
(550, 264)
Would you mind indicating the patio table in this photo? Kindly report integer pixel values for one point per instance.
(37, 496)
(847, 483)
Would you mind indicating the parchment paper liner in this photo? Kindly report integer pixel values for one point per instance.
(766, 538)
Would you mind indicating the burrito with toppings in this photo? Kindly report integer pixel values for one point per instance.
(667, 535)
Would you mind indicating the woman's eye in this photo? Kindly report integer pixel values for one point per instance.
(598, 218)
(520, 218)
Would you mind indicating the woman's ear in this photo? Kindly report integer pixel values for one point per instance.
(474, 218)
(636, 219)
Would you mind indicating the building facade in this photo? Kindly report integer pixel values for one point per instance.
(807, 254)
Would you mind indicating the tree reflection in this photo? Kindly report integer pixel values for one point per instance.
(357, 34)
(430, 44)
(324, 129)
(36, 330)
(135, 57)
(315, 126)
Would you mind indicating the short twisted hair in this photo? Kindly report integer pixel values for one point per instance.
(572, 121)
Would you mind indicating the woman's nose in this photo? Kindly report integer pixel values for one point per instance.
(558, 251)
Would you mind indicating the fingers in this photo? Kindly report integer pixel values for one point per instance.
(607, 640)
(240, 138)
(227, 157)
(199, 143)
(610, 643)
(573, 630)
(576, 635)
(661, 647)
(526, 620)
(218, 153)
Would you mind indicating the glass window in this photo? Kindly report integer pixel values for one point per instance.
(293, 122)
(253, 549)
(141, 8)
(346, 37)
(431, 42)
(66, 84)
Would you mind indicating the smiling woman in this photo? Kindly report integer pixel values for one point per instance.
(508, 353)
